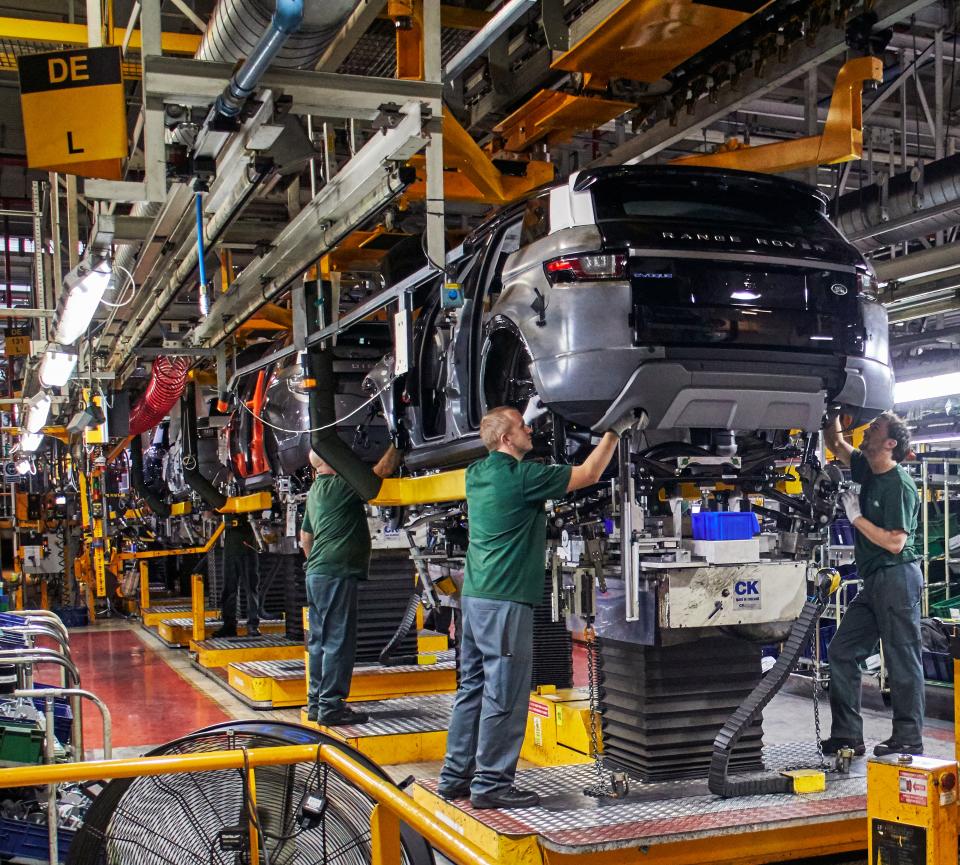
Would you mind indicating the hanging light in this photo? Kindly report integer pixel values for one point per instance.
(30, 442)
(83, 289)
(22, 465)
(37, 411)
(56, 366)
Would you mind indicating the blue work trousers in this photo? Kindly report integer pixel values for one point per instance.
(886, 608)
(490, 711)
(332, 644)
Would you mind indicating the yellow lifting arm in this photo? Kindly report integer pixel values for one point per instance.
(442, 487)
(841, 141)
(261, 501)
(188, 551)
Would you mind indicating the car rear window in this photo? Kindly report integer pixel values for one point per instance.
(728, 206)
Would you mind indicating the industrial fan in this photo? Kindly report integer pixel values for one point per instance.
(308, 813)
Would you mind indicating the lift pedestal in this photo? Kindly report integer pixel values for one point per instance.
(675, 822)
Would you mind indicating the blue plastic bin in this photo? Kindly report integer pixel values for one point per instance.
(725, 525)
(22, 840)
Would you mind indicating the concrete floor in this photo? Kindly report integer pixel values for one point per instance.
(788, 718)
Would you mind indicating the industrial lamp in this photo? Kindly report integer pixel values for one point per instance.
(22, 465)
(929, 387)
(37, 410)
(29, 442)
(84, 287)
(56, 366)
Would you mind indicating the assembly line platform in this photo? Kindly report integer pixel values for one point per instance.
(179, 632)
(174, 608)
(402, 730)
(675, 822)
(222, 651)
(281, 683)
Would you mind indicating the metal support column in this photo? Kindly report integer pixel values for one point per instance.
(39, 283)
(154, 151)
(811, 117)
(436, 241)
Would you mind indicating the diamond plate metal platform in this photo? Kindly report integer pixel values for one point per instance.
(221, 651)
(656, 817)
(179, 632)
(402, 730)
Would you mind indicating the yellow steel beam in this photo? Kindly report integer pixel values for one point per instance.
(556, 116)
(443, 487)
(642, 40)
(841, 141)
(471, 175)
(31, 30)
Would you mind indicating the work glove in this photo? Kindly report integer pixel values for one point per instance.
(626, 422)
(534, 409)
(851, 504)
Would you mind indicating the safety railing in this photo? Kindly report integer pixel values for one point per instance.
(392, 807)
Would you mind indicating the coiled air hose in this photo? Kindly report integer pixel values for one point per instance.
(167, 381)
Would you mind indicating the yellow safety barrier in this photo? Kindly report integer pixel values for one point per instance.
(180, 551)
(392, 808)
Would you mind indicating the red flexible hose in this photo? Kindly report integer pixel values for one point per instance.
(167, 381)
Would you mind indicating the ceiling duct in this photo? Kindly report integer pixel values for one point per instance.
(235, 28)
(873, 217)
(232, 33)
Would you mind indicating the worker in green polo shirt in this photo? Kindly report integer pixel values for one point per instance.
(335, 538)
(884, 514)
(503, 580)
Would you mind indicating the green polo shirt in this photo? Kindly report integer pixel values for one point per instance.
(508, 527)
(335, 516)
(890, 501)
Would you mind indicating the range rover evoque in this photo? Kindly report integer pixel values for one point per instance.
(711, 301)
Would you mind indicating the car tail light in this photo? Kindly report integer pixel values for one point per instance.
(586, 268)
(868, 286)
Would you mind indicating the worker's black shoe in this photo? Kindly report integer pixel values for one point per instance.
(454, 791)
(224, 632)
(509, 798)
(342, 716)
(254, 632)
(311, 714)
(892, 747)
(835, 743)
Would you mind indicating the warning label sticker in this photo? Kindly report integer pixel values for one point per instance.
(913, 787)
(539, 709)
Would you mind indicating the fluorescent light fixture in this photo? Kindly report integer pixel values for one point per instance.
(83, 289)
(744, 294)
(22, 466)
(29, 442)
(935, 439)
(37, 410)
(56, 366)
(930, 387)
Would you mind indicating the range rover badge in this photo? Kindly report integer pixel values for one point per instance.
(838, 289)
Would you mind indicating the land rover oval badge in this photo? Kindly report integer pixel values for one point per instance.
(838, 289)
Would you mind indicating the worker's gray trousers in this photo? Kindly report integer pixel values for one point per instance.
(332, 644)
(490, 710)
(886, 608)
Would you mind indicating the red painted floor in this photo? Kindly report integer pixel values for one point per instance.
(148, 701)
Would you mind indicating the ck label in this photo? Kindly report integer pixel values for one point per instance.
(746, 594)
